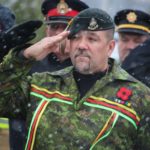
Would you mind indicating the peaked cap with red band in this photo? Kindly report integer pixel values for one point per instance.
(61, 11)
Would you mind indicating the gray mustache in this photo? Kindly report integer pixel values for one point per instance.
(82, 52)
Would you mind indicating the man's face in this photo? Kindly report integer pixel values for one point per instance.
(89, 51)
(127, 42)
(55, 28)
(62, 51)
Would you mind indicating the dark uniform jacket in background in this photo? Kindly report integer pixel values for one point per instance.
(50, 63)
(137, 63)
(112, 115)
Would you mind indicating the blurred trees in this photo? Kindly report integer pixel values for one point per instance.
(26, 10)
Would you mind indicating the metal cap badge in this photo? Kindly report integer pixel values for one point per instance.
(132, 21)
(91, 19)
(93, 24)
(131, 17)
(62, 7)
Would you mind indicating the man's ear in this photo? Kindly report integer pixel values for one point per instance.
(111, 47)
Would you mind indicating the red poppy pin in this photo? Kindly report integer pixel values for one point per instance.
(124, 93)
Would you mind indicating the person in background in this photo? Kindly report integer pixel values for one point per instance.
(7, 20)
(17, 37)
(137, 63)
(133, 27)
(14, 35)
(56, 14)
(93, 104)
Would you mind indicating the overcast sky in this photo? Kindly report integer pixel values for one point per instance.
(112, 6)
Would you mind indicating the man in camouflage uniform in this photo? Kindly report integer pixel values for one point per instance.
(11, 36)
(93, 105)
(56, 19)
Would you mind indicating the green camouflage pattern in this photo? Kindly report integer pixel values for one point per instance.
(69, 122)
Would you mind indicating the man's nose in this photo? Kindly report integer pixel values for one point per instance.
(131, 45)
(83, 44)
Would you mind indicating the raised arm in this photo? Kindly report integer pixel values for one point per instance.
(42, 48)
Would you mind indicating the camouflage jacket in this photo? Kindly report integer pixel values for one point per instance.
(113, 115)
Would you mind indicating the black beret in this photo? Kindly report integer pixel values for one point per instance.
(92, 19)
(7, 18)
(134, 21)
(61, 10)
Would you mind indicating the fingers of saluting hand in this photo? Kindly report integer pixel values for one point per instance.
(52, 42)
(42, 48)
(60, 37)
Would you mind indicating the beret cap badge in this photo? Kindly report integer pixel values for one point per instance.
(93, 25)
(62, 7)
(131, 17)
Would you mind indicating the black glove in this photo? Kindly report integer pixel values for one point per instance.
(18, 35)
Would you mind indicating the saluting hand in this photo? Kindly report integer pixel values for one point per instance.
(44, 47)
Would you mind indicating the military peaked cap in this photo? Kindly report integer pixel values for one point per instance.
(134, 21)
(61, 11)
